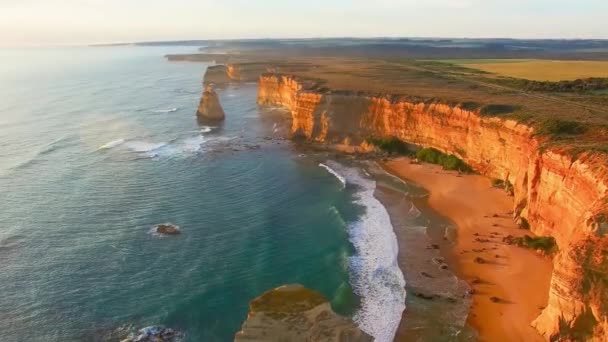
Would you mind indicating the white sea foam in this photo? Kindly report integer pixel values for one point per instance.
(375, 274)
(170, 110)
(207, 129)
(413, 212)
(333, 172)
(111, 144)
(192, 144)
(337, 214)
(179, 147)
(143, 146)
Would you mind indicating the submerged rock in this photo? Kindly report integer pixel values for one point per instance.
(155, 334)
(295, 313)
(210, 107)
(167, 229)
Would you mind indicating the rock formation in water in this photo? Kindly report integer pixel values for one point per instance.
(210, 107)
(167, 229)
(556, 193)
(155, 334)
(295, 313)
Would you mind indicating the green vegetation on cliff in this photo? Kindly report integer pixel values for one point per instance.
(576, 86)
(545, 243)
(390, 145)
(447, 161)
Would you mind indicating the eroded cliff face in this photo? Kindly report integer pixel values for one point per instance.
(295, 313)
(210, 107)
(558, 195)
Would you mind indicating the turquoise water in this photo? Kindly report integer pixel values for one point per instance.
(97, 145)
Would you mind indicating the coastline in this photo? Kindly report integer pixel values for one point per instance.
(375, 275)
(471, 203)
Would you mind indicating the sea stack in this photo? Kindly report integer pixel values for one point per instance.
(210, 108)
(295, 313)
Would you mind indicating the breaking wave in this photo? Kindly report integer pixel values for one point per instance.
(333, 172)
(170, 110)
(143, 146)
(111, 144)
(207, 129)
(375, 275)
(178, 147)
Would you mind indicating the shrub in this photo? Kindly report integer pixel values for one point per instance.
(544, 243)
(578, 86)
(555, 127)
(447, 161)
(497, 109)
(521, 117)
(503, 184)
(469, 106)
(390, 145)
(429, 155)
(524, 224)
(498, 183)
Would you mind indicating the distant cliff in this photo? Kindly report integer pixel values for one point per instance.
(210, 107)
(555, 192)
(222, 74)
(295, 313)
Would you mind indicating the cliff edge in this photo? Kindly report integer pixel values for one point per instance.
(295, 313)
(557, 192)
(210, 107)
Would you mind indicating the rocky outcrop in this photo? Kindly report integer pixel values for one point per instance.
(167, 229)
(295, 313)
(556, 193)
(210, 107)
(155, 334)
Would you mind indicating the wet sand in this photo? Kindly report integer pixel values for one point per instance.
(518, 277)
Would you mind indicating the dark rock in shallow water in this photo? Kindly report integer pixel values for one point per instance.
(155, 334)
(167, 229)
(426, 275)
(425, 296)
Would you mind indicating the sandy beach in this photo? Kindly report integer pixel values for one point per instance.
(519, 278)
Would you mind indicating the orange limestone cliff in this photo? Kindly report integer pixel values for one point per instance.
(210, 107)
(555, 193)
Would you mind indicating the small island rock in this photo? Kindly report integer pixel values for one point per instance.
(167, 229)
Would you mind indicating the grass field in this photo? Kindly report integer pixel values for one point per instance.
(538, 70)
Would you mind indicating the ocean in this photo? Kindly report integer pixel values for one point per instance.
(98, 145)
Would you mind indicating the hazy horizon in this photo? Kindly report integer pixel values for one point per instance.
(72, 22)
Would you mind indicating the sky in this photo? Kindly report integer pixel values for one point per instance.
(59, 22)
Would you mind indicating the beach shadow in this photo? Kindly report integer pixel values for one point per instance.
(497, 300)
